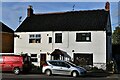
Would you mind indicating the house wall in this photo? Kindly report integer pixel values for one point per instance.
(97, 46)
(22, 44)
(7, 44)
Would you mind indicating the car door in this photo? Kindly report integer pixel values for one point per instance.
(55, 67)
(65, 68)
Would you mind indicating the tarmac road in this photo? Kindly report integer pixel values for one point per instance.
(96, 76)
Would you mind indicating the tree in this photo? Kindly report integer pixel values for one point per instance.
(116, 36)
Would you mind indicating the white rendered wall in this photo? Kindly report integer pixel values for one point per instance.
(22, 44)
(97, 46)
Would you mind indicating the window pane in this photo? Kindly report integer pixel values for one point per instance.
(38, 40)
(83, 59)
(35, 38)
(31, 40)
(31, 36)
(38, 35)
(83, 37)
(87, 38)
(58, 38)
(33, 55)
(78, 36)
(50, 39)
(34, 59)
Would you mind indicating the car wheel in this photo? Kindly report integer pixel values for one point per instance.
(16, 71)
(48, 72)
(74, 74)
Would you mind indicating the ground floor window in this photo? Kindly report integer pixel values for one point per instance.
(34, 58)
(83, 59)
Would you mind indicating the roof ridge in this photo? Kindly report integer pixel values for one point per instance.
(68, 12)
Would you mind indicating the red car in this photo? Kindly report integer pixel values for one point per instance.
(15, 63)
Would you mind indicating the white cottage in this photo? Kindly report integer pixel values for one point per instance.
(81, 36)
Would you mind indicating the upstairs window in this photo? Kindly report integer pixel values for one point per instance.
(83, 37)
(35, 38)
(50, 39)
(58, 37)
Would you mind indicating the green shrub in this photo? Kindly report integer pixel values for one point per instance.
(95, 69)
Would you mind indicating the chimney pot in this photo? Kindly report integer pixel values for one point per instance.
(107, 6)
(29, 11)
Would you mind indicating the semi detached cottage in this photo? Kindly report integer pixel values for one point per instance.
(81, 36)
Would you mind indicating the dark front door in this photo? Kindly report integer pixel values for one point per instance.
(42, 59)
(83, 59)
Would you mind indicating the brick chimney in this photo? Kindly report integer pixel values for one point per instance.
(29, 11)
(107, 6)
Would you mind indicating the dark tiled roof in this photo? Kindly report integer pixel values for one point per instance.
(66, 21)
(4, 28)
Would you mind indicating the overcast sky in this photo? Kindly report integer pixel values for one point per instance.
(11, 11)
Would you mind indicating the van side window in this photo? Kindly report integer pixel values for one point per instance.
(63, 64)
(53, 63)
(1, 59)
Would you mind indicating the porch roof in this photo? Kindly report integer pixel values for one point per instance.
(60, 52)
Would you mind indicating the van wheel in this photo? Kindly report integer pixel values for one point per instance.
(48, 72)
(74, 74)
(16, 71)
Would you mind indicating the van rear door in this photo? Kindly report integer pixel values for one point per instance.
(1, 63)
(7, 63)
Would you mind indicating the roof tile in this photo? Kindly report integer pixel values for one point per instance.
(66, 21)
